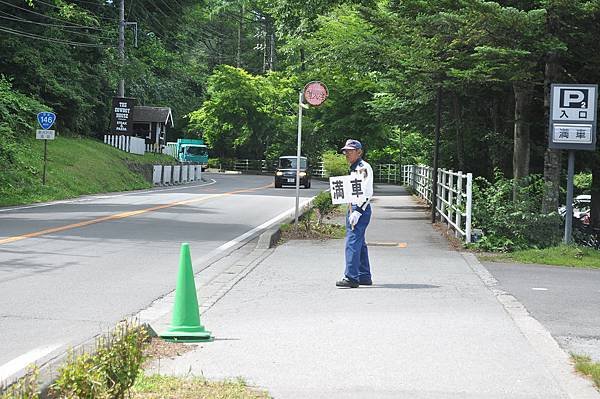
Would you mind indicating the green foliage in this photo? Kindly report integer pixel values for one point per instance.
(110, 372)
(509, 225)
(407, 148)
(322, 203)
(17, 119)
(561, 255)
(585, 365)
(26, 387)
(335, 164)
(583, 182)
(243, 112)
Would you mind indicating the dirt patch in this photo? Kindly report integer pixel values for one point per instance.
(161, 349)
(453, 242)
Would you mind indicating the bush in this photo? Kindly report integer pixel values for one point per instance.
(26, 387)
(107, 374)
(509, 225)
(335, 164)
(322, 203)
(583, 182)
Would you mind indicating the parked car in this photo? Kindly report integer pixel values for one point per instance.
(581, 206)
(285, 174)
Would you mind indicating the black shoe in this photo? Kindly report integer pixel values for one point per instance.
(366, 282)
(346, 283)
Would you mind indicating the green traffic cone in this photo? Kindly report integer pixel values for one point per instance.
(185, 324)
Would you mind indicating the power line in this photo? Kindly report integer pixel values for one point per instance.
(64, 28)
(168, 6)
(48, 16)
(158, 8)
(52, 40)
(88, 2)
(88, 11)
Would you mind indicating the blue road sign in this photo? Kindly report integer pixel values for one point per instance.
(46, 119)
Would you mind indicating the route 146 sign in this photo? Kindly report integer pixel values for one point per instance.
(46, 119)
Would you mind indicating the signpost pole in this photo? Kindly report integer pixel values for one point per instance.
(298, 158)
(569, 209)
(45, 160)
(314, 93)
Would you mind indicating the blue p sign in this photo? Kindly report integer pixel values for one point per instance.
(46, 119)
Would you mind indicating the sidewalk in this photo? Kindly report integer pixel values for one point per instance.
(433, 325)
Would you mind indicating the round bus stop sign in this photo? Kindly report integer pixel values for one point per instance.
(315, 93)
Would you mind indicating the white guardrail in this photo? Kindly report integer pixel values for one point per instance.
(175, 174)
(134, 145)
(454, 195)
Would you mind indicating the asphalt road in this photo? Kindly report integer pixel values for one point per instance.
(72, 269)
(565, 300)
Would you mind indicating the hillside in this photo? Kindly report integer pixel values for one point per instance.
(76, 166)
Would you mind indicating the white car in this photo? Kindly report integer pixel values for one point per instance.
(581, 206)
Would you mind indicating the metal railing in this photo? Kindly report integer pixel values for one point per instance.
(454, 199)
(252, 165)
(388, 173)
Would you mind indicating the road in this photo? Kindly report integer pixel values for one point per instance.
(565, 300)
(72, 269)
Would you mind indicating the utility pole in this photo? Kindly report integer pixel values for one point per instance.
(436, 152)
(121, 92)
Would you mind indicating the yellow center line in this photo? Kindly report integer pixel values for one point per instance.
(122, 215)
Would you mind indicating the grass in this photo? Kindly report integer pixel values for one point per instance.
(562, 255)
(584, 365)
(76, 166)
(163, 387)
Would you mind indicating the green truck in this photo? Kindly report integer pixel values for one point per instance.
(189, 150)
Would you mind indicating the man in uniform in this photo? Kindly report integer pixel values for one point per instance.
(358, 269)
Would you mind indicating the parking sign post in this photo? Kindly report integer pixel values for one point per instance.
(300, 106)
(314, 93)
(572, 127)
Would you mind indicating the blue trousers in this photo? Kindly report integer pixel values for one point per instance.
(357, 254)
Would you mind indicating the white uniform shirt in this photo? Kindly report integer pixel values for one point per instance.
(364, 170)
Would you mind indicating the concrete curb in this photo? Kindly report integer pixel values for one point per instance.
(269, 238)
(557, 361)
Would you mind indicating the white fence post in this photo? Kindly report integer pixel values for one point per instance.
(459, 196)
(469, 206)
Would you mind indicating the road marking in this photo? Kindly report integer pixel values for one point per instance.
(19, 363)
(263, 226)
(539, 289)
(100, 196)
(387, 244)
(164, 305)
(123, 215)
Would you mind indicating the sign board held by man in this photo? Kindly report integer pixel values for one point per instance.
(347, 189)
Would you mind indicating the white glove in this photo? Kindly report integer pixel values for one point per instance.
(353, 218)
